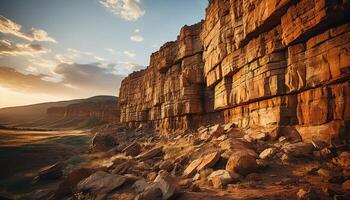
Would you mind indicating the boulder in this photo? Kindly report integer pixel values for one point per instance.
(343, 160)
(166, 165)
(151, 193)
(123, 167)
(216, 130)
(51, 172)
(256, 136)
(133, 149)
(151, 153)
(101, 183)
(241, 163)
(192, 167)
(201, 163)
(103, 141)
(70, 182)
(309, 194)
(267, 153)
(209, 160)
(166, 183)
(299, 149)
(140, 185)
(221, 178)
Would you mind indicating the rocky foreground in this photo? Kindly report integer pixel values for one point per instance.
(215, 162)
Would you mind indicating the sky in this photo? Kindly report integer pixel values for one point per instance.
(52, 50)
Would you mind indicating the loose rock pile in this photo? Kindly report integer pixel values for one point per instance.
(150, 166)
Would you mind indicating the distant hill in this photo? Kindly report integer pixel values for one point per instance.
(77, 113)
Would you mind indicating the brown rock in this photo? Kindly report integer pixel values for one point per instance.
(209, 160)
(51, 172)
(151, 193)
(140, 185)
(216, 130)
(133, 149)
(70, 182)
(166, 165)
(298, 149)
(221, 178)
(192, 167)
(151, 153)
(267, 153)
(343, 160)
(241, 163)
(167, 185)
(101, 183)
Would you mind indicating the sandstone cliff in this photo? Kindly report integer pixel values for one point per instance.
(104, 109)
(279, 64)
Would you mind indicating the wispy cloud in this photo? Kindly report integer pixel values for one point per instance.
(71, 55)
(9, 27)
(112, 51)
(9, 48)
(137, 38)
(129, 54)
(127, 9)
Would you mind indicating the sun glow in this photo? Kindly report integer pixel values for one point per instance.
(10, 98)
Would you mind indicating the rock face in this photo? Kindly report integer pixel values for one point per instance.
(104, 109)
(267, 63)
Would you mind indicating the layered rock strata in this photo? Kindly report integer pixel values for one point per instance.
(269, 63)
(106, 111)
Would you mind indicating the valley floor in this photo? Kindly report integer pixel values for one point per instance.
(24, 152)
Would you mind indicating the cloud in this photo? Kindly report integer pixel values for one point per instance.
(127, 9)
(129, 54)
(137, 30)
(77, 80)
(137, 38)
(29, 83)
(9, 27)
(8, 48)
(71, 55)
(112, 51)
(90, 77)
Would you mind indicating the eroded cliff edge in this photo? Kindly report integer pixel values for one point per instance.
(283, 65)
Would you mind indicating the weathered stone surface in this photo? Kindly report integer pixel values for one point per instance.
(221, 178)
(241, 163)
(104, 109)
(101, 183)
(70, 182)
(299, 149)
(266, 63)
(267, 153)
(151, 153)
(167, 184)
(209, 160)
(192, 168)
(133, 149)
(51, 172)
(202, 163)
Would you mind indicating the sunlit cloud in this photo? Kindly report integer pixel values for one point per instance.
(10, 27)
(9, 48)
(129, 10)
(71, 55)
(136, 38)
